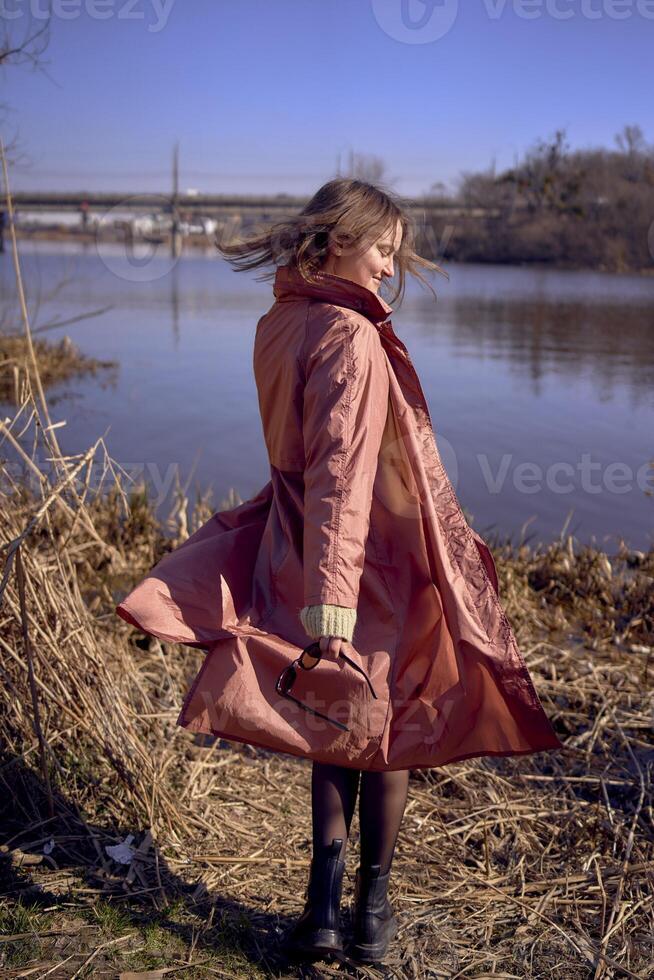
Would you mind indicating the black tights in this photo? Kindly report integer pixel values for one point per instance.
(382, 800)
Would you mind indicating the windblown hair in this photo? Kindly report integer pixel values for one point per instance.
(345, 211)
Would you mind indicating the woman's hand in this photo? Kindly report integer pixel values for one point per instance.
(331, 646)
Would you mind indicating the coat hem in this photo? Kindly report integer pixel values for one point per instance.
(123, 611)
(205, 645)
(364, 768)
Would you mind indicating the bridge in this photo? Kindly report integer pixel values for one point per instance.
(251, 207)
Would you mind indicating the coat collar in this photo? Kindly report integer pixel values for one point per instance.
(290, 282)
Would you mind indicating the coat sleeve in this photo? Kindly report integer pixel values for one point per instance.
(344, 413)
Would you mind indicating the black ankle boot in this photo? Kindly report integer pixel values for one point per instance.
(373, 921)
(318, 931)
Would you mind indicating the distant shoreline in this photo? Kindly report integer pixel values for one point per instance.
(203, 242)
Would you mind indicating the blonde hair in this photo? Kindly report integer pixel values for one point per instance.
(347, 211)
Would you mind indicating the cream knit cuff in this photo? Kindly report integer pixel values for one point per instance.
(326, 620)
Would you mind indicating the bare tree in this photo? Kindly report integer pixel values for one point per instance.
(367, 166)
(631, 140)
(439, 188)
(23, 41)
(637, 155)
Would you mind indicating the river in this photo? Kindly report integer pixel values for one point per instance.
(540, 383)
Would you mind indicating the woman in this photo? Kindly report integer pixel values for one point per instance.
(357, 541)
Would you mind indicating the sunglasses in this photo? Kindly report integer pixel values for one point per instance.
(308, 659)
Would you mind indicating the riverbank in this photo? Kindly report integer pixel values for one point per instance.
(133, 843)
(92, 237)
(56, 361)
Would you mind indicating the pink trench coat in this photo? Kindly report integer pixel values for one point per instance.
(358, 512)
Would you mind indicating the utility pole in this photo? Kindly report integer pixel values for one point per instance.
(176, 237)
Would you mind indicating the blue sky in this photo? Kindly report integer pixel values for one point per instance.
(263, 95)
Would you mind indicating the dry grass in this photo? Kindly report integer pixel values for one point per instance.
(534, 866)
(55, 361)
